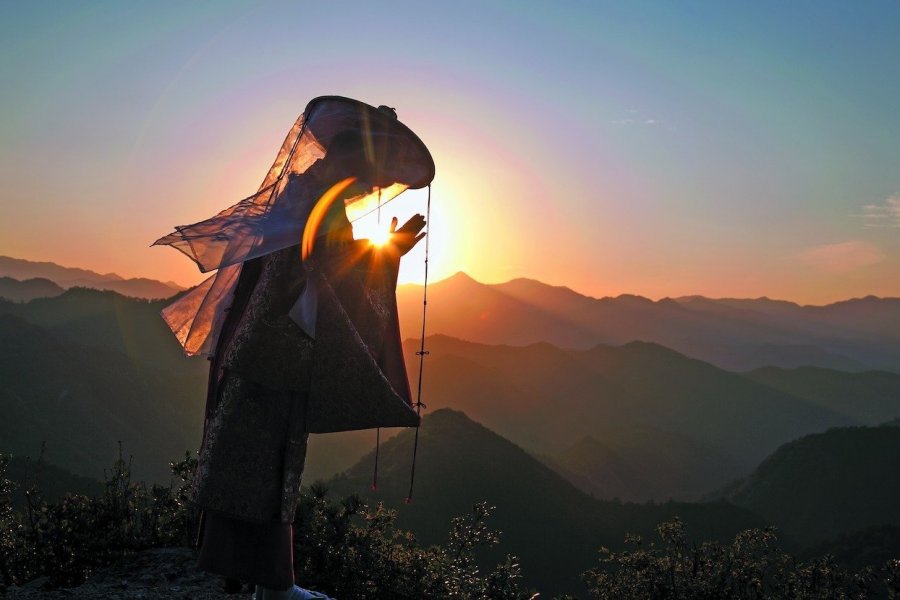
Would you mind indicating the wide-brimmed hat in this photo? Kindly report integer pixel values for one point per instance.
(275, 216)
(395, 153)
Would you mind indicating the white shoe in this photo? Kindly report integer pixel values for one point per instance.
(298, 593)
(294, 593)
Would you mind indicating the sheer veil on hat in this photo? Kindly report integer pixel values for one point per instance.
(274, 217)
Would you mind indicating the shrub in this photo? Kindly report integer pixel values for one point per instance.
(353, 552)
(68, 540)
(751, 567)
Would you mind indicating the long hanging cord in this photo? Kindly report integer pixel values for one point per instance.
(421, 354)
(377, 429)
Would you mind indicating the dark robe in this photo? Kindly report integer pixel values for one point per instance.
(271, 385)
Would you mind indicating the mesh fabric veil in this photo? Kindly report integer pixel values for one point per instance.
(274, 217)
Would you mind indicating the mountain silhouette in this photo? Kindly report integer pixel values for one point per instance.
(870, 398)
(540, 396)
(29, 289)
(82, 400)
(733, 334)
(555, 528)
(68, 277)
(642, 463)
(546, 398)
(827, 484)
(106, 319)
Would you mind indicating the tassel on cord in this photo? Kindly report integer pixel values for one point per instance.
(422, 353)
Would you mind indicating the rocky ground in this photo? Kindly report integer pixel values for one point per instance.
(149, 575)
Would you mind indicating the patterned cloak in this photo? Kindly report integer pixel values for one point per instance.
(271, 384)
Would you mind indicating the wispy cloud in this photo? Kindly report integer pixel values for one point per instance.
(634, 118)
(842, 257)
(886, 214)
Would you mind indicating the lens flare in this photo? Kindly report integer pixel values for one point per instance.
(318, 214)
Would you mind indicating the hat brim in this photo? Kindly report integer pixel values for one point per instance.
(397, 154)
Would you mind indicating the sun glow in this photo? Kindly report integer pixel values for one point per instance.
(445, 257)
(379, 237)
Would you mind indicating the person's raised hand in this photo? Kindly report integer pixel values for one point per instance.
(405, 238)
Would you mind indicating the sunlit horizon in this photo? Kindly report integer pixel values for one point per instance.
(610, 149)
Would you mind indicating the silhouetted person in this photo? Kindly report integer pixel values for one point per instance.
(305, 344)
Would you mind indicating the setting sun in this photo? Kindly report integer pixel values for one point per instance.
(379, 237)
(370, 227)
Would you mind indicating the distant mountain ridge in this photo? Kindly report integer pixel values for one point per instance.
(28, 289)
(107, 319)
(68, 277)
(738, 335)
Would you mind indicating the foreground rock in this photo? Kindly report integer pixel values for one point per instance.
(149, 575)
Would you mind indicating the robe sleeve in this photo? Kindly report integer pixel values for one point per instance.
(359, 379)
(353, 370)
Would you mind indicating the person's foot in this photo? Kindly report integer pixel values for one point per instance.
(231, 585)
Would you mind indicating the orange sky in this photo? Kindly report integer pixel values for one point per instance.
(596, 147)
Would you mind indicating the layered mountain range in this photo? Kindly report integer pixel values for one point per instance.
(640, 421)
(22, 280)
(734, 334)
(564, 411)
(551, 525)
(832, 492)
(635, 421)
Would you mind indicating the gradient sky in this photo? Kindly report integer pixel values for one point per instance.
(656, 148)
